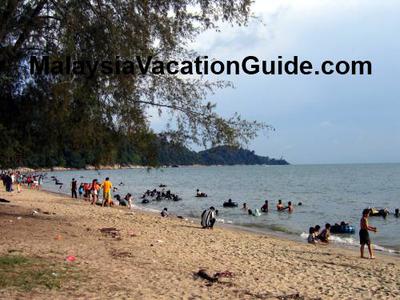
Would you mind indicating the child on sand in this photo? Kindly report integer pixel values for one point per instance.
(80, 190)
(164, 212)
(325, 234)
(316, 230)
(311, 236)
(128, 198)
(364, 234)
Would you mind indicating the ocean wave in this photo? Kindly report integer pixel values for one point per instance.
(351, 241)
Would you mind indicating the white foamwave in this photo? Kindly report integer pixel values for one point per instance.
(335, 239)
(145, 208)
(351, 241)
(380, 248)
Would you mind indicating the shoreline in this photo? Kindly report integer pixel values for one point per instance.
(128, 167)
(156, 257)
(267, 232)
(122, 167)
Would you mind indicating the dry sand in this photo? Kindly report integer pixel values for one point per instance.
(156, 258)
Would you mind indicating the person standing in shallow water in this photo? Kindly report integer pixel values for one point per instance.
(364, 234)
(74, 187)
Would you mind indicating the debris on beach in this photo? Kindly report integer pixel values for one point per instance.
(292, 296)
(120, 254)
(202, 273)
(226, 274)
(70, 258)
(112, 231)
(4, 200)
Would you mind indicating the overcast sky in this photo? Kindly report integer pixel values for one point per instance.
(318, 119)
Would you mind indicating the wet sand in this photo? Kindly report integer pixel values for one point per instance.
(151, 257)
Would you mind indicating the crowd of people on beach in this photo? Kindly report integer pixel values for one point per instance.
(91, 191)
(317, 237)
(16, 179)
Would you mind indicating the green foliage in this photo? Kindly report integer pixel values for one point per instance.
(70, 120)
(172, 154)
(226, 155)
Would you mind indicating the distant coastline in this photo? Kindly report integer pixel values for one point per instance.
(171, 156)
(119, 167)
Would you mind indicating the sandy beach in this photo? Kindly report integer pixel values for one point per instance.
(149, 257)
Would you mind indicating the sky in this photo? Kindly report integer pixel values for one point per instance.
(318, 119)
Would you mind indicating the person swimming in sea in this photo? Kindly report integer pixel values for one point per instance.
(200, 194)
(264, 208)
(280, 206)
(245, 206)
(289, 207)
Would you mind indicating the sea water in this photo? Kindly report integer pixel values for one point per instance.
(328, 193)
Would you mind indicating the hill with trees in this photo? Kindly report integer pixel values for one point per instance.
(177, 154)
(228, 155)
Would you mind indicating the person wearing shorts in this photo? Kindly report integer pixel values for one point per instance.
(364, 234)
(106, 186)
(93, 191)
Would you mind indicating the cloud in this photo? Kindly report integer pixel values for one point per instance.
(326, 124)
(360, 112)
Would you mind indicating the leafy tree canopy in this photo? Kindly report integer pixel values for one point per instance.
(99, 119)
